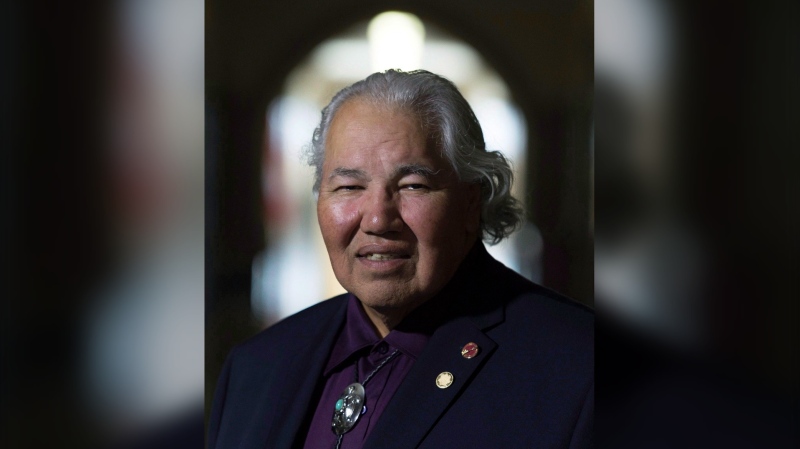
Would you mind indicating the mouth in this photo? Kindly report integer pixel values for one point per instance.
(383, 256)
(379, 255)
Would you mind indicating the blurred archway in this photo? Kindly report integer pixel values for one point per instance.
(293, 272)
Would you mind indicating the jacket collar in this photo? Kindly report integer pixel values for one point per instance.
(302, 377)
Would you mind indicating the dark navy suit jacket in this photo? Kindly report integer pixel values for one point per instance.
(530, 386)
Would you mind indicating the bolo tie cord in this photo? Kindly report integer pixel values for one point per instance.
(355, 365)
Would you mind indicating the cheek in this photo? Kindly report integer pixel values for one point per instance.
(435, 223)
(337, 220)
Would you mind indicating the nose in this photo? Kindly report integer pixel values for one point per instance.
(380, 213)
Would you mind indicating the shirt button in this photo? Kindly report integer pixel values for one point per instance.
(383, 348)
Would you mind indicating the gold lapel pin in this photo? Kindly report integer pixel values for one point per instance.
(444, 379)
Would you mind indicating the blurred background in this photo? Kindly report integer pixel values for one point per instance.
(152, 188)
(696, 228)
(103, 172)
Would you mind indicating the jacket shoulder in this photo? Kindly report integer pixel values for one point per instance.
(259, 371)
(542, 311)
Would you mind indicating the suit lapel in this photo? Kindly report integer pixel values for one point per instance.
(303, 374)
(418, 403)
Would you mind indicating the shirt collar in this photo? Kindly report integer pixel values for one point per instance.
(356, 335)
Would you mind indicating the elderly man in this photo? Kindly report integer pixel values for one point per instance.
(436, 344)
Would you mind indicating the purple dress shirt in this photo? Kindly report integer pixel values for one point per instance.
(360, 345)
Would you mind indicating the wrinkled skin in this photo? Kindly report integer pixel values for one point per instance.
(395, 218)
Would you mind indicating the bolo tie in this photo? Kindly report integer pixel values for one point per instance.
(352, 403)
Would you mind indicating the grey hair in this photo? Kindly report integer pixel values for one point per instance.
(452, 124)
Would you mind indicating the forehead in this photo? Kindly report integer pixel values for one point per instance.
(362, 129)
(357, 116)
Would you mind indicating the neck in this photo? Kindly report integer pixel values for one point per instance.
(384, 321)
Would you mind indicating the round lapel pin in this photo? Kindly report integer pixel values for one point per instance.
(444, 379)
(469, 350)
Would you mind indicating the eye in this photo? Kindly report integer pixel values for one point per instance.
(348, 188)
(415, 187)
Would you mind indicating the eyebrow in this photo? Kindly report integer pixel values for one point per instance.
(416, 169)
(403, 170)
(347, 173)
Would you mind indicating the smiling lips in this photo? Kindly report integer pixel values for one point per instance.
(383, 256)
(380, 253)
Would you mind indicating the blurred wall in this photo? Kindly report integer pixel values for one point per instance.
(542, 49)
(102, 234)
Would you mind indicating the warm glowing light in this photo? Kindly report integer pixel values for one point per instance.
(395, 41)
(294, 271)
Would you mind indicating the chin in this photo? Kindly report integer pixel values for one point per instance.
(389, 299)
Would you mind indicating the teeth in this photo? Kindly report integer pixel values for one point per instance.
(380, 256)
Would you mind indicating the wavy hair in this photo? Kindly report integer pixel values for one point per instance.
(451, 123)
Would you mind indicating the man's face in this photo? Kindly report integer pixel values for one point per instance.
(395, 219)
